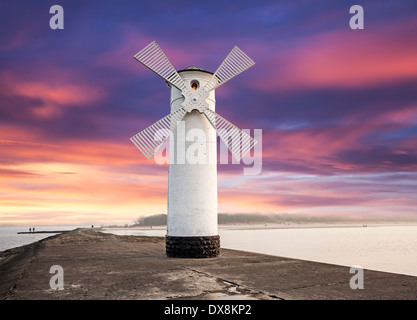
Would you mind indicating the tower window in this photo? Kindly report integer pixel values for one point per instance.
(194, 84)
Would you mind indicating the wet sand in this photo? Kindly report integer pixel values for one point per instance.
(101, 266)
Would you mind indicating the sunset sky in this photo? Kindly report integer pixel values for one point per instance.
(337, 107)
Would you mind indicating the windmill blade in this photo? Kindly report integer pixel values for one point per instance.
(235, 63)
(236, 140)
(150, 139)
(154, 59)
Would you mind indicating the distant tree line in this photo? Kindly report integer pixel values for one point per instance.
(154, 220)
(226, 218)
(223, 218)
(243, 218)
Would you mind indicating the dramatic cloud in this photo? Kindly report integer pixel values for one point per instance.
(344, 59)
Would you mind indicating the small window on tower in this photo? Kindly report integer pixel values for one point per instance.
(194, 84)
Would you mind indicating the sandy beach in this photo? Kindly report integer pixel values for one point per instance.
(101, 266)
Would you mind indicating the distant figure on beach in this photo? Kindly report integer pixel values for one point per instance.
(30, 230)
(92, 226)
(33, 229)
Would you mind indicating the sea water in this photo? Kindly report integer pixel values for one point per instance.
(9, 237)
(381, 248)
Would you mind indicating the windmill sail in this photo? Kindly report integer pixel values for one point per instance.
(150, 139)
(236, 140)
(154, 58)
(235, 63)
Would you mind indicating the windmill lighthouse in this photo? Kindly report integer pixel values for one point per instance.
(192, 185)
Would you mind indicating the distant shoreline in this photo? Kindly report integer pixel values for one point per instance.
(234, 226)
(265, 226)
(309, 225)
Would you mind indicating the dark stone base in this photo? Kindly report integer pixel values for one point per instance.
(193, 247)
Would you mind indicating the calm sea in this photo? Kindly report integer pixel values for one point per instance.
(382, 248)
(10, 239)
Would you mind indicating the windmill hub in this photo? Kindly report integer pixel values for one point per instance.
(195, 100)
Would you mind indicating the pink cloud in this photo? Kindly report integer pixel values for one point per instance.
(343, 147)
(344, 58)
(90, 152)
(52, 95)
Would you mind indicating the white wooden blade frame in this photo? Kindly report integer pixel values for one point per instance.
(235, 63)
(150, 139)
(236, 140)
(154, 59)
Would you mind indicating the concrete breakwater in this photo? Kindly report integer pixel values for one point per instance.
(97, 265)
(32, 232)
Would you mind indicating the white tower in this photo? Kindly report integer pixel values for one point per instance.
(192, 178)
(194, 125)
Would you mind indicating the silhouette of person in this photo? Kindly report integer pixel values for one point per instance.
(33, 229)
(30, 229)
